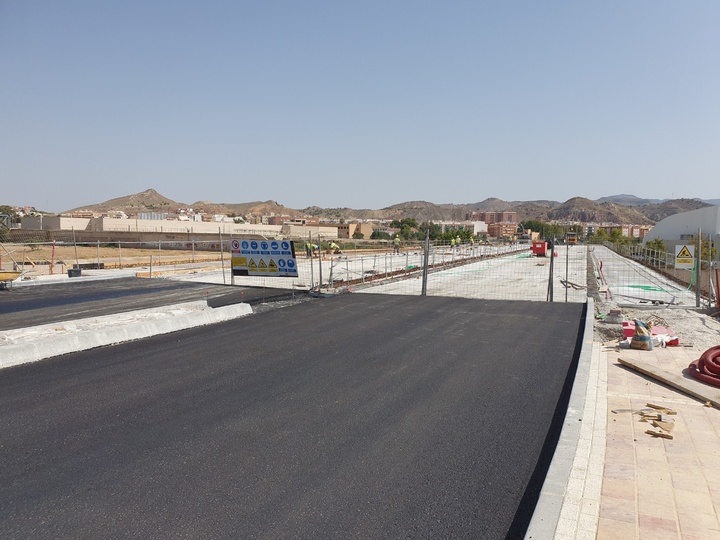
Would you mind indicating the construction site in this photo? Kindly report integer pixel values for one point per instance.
(400, 354)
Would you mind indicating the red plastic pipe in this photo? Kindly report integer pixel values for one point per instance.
(707, 367)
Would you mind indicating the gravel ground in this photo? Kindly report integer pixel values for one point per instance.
(696, 329)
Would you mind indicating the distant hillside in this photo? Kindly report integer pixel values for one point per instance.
(491, 205)
(577, 209)
(627, 200)
(145, 201)
(498, 205)
(257, 208)
(587, 211)
(419, 210)
(150, 201)
(657, 212)
(532, 211)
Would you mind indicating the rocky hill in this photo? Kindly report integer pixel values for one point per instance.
(659, 211)
(628, 200)
(150, 201)
(577, 209)
(145, 201)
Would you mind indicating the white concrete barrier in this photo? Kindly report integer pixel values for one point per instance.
(45, 341)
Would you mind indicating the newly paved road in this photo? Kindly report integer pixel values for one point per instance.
(359, 416)
(25, 306)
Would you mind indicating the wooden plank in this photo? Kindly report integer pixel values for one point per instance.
(660, 408)
(667, 426)
(691, 387)
(658, 434)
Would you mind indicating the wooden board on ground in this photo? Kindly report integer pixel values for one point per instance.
(691, 387)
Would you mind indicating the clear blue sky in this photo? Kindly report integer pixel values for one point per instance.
(358, 103)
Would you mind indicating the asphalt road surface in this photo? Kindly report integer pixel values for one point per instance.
(21, 307)
(358, 416)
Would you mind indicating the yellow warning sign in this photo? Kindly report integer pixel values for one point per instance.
(684, 253)
(685, 257)
(252, 264)
(262, 265)
(272, 264)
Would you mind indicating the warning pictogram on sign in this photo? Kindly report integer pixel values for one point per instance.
(684, 253)
(685, 257)
(251, 257)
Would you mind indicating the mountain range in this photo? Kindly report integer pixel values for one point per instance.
(618, 209)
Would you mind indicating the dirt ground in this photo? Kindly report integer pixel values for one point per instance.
(695, 328)
(39, 259)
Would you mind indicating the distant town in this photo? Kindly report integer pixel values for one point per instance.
(492, 219)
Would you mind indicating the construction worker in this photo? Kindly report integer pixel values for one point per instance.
(308, 249)
(452, 244)
(396, 244)
(335, 248)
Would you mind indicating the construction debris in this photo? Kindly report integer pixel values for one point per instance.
(658, 434)
(689, 386)
(664, 410)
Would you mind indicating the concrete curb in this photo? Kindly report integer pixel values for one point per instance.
(545, 519)
(61, 338)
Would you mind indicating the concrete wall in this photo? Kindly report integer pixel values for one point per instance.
(105, 224)
(37, 223)
(304, 231)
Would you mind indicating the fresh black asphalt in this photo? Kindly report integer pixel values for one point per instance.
(25, 306)
(358, 416)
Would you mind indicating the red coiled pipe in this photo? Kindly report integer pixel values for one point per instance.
(707, 367)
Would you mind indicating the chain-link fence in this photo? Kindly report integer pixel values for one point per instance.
(511, 272)
(691, 283)
(497, 271)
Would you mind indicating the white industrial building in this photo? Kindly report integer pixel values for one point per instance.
(104, 224)
(683, 227)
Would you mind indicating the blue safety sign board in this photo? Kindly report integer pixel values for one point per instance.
(270, 258)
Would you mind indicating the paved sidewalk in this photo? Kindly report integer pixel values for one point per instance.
(655, 488)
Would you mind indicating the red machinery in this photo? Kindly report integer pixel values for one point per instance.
(539, 248)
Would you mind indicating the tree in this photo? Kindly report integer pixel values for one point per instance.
(380, 235)
(657, 244)
(357, 235)
(601, 235)
(435, 230)
(404, 222)
(535, 226)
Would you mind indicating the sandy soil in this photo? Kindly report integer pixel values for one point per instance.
(38, 259)
(696, 329)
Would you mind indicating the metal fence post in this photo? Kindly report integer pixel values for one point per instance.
(426, 258)
(698, 264)
(552, 264)
(567, 269)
